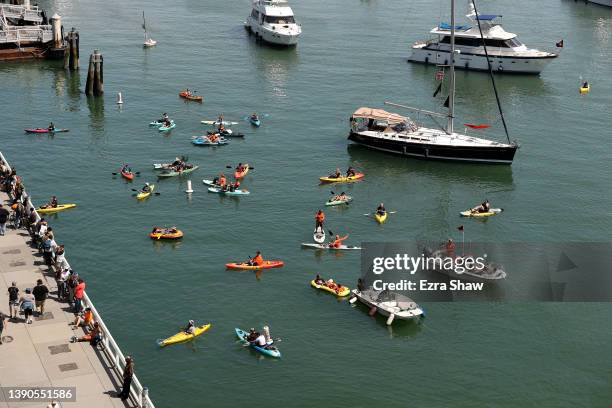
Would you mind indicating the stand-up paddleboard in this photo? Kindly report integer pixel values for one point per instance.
(319, 235)
(326, 246)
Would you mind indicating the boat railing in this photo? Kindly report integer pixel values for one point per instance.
(41, 33)
(32, 14)
(111, 349)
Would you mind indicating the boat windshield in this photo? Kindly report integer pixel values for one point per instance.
(280, 20)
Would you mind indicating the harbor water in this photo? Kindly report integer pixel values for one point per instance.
(351, 54)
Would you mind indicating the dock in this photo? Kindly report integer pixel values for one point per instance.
(41, 354)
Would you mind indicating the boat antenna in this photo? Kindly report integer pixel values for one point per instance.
(451, 95)
(501, 113)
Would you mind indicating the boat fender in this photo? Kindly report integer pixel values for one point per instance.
(353, 299)
(373, 310)
(390, 319)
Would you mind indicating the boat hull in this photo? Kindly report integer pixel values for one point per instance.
(602, 2)
(465, 60)
(473, 154)
(287, 37)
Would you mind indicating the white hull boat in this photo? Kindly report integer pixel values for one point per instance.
(392, 305)
(272, 21)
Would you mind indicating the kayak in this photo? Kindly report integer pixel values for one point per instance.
(217, 123)
(60, 207)
(210, 183)
(381, 218)
(585, 89)
(202, 141)
(166, 235)
(343, 179)
(173, 173)
(128, 175)
(159, 122)
(142, 194)
(319, 235)
(45, 130)
(167, 128)
(217, 190)
(339, 202)
(326, 246)
(191, 97)
(491, 212)
(255, 122)
(268, 351)
(183, 337)
(344, 292)
(244, 172)
(244, 266)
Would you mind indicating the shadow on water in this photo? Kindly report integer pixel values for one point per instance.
(96, 112)
(494, 177)
(274, 64)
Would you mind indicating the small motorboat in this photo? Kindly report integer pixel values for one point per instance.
(386, 303)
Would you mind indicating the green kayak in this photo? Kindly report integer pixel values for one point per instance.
(172, 173)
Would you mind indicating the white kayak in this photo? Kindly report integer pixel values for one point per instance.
(217, 123)
(492, 211)
(319, 235)
(326, 246)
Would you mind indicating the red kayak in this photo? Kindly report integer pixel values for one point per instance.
(45, 130)
(245, 266)
(128, 175)
(241, 174)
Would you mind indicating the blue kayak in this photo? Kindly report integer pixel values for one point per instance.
(167, 128)
(202, 141)
(255, 122)
(271, 351)
(218, 190)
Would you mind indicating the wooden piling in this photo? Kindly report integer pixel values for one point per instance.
(72, 58)
(95, 75)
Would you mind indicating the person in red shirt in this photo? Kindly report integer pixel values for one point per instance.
(79, 292)
(257, 260)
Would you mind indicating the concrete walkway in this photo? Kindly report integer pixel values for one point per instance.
(40, 354)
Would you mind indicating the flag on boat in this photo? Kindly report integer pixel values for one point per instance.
(460, 228)
(447, 102)
(559, 44)
(438, 89)
(480, 126)
(439, 75)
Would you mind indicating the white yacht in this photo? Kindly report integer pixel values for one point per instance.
(506, 52)
(272, 21)
(602, 2)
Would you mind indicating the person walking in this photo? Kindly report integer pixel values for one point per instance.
(3, 323)
(4, 215)
(128, 373)
(40, 293)
(13, 292)
(27, 304)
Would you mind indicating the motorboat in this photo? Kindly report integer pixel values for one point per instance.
(387, 303)
(602, 2)
(506, 53)
(487, 272)
(272, 21)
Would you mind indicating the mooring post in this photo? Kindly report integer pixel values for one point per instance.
(72, 62)
(95, 75)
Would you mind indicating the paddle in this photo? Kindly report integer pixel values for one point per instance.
(388, 212)
(231, 167)
(140, 191)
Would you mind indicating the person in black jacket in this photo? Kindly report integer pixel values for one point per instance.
(40, 293)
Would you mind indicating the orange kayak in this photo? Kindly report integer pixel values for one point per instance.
(190, 96)
(128, 175)
(246, 267)
(241, 174)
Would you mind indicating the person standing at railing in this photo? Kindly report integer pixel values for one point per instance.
(79, 292)
(128, 373)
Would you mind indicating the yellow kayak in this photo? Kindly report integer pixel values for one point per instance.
(344, 292)
(585, 90)
(50, 210)
(183, 337)
(142, 195)
(491, 212)
(343, 179)
(381, 218)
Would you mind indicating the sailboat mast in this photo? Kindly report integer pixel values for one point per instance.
(144, 26)
(451, 96)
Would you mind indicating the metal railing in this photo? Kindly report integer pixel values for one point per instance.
(139, 393)
(33, 14)
(42, 33)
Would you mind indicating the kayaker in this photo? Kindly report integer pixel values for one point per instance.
(222, 180)
(336, 174)
(51, 127)
(165, 117)
(190, 329)
(484, 207)
(337, 242)
(254, 116)
(257, 260)
(252, 335)
(146, 188)
(51, 204)
(260, 340)
(318, 280)
(339, 197)
(240, 168)
(350, 172)
(585, 84)
(381, 209)
(319, 219)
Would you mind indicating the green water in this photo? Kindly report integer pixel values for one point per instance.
(351, 54)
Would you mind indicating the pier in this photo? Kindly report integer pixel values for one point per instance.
(41, 354)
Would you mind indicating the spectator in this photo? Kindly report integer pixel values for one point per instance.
(4, 214)
(48, 247)
(13, 292)
(40, 293)
(62, 277)
(79, 292)
(27, 304)
(3, 323)
(94, 337)
(73, 281)
(128, 373)
(83, 319)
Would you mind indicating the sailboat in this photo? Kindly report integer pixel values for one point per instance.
(148, 41)
(394, 133)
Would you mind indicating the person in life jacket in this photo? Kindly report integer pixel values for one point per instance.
(337, 242)
(350, 172)
(318, 280)
(190, 328)
(484, 207)
(222, 180)
(252, 336)
(336, 174)
(319, 219)
(381, 209)
(257, 260)
(450, 247)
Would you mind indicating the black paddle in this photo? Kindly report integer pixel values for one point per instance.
(140, 191)
(231, 167)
